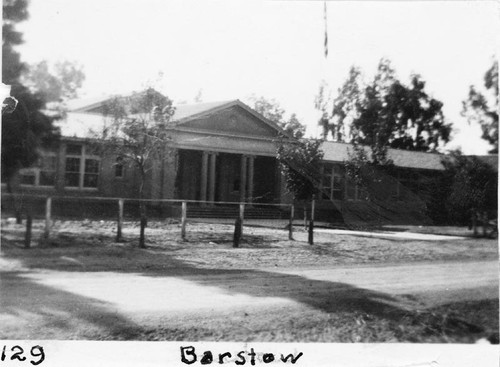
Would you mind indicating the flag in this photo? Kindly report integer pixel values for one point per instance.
(326, 32)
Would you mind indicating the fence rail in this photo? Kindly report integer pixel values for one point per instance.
(46, 206)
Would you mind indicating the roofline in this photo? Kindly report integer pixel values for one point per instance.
(93, 105)
(202, 113)
(389, 148)
(232, 103)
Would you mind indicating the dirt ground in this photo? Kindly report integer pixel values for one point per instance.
(61, 288)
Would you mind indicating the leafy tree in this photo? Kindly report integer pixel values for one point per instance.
(345, 107)
(56, 84)
(199, 96)
(271, 110)
(300, 162)
(321, 102)
(482, 107)
(136, 131)
(14, 11)
(471, 187)
(388, 114)
(27, 128)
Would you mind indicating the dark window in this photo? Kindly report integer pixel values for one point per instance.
(91, 173)
(48, 171)
(338, 188)
(47, 178)
(119, 167)
(72, 176)
(236, 185)
(28, 179)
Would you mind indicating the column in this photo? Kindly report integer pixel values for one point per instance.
(211, 184)
(251, 161)
(204, 178)
(243, 178)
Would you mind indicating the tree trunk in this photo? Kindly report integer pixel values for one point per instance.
(144, 220)
(27, 236)
(237, 232)
(142, 211)
(474, 222)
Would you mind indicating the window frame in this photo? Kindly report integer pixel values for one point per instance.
(83, 158)
(38, 169)
(119, 166)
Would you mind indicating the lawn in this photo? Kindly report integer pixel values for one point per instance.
(80, 249)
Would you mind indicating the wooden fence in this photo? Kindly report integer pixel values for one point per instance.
(120, 205)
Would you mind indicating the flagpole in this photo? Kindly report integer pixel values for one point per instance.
(323, 73)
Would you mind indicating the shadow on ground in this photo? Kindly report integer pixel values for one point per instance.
(62, 311)
(49, 311)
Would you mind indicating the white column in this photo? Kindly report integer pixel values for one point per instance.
(204, 174)
(251, 162)
(243, 178)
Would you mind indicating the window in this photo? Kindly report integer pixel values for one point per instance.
(43, 173)
(119, 167)
(91, 173)
(28, 178)
(72, 174)
(236, 185)
(82, 168)
(338, 187)
(48, 170)
(333, 182)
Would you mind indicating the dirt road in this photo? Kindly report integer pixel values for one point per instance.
(48, 304)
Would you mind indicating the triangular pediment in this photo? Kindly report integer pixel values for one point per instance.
(233, 120)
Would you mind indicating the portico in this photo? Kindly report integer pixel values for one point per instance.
(214, 177)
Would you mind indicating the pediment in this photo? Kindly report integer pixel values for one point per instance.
(234, 120)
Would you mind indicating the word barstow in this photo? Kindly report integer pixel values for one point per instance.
(189, 356)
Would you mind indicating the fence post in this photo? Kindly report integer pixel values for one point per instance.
(311, 223)
(242, 214)
(238, 226)
(290, 225)
(183, 220)
(48, 213)
(27, 237)
(120, 221)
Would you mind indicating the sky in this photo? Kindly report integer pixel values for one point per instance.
(235, 49)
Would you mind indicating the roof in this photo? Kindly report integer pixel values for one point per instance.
(80, 105)
(339, 152)
(82, 117)
(183, 111)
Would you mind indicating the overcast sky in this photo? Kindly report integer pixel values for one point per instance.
(231, 50)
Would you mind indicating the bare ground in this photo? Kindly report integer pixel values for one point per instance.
(62, 288)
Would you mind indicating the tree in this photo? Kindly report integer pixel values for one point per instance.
(321, 102)
(345, 107)
(14, 11)
(271, 110)
(388, 114)
(27, 128)
(300, 162)
(471, 187)
(57, 83)
(136, 132)
(482, 107)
